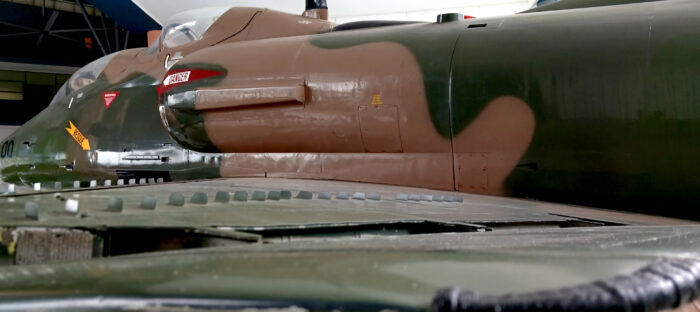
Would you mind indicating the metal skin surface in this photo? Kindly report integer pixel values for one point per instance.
(590, 106)
(528, 247)
(402, 273)
(127, 139)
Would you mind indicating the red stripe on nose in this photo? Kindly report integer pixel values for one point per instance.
(180, 77)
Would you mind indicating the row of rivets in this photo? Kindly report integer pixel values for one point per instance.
(429, 198)
(116, 204)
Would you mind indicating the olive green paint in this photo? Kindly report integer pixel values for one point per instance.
(402, 272)
(615, 93)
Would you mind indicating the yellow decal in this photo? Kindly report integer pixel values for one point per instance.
(377, 99)
(11, 248)
(78, 136)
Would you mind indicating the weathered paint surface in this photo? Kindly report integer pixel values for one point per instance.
(596, 106)
(400, 272)
(127, 138)
(593, 106)
(614, 95)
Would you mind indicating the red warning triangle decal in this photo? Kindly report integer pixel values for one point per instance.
(109, 97)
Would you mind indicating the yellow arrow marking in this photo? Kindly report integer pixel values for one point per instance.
(78, 136)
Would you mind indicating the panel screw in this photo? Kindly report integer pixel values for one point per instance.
(31, 210)
(177, 199)
(199, 198)
(115, 204)
(148, 202)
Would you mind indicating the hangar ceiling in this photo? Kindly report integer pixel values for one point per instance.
(43, 42)
(59, 32)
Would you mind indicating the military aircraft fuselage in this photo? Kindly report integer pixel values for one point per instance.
(596, 106)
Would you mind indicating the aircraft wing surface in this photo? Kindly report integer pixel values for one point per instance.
(231, 244)
(266, 202)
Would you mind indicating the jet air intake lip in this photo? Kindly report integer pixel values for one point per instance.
(316, 4)
(176, 104)
(667, 284)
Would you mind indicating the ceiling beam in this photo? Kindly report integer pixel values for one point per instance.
(58, 5)
(47, 28)
(92, 29)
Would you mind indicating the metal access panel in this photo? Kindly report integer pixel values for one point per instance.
(380, 129)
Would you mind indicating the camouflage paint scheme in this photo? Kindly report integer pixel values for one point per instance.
(259, 252)
(442, 106)
(592, 106)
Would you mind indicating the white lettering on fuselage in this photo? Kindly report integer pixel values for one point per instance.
(177, 78)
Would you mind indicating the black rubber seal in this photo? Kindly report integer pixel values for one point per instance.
(667, 284)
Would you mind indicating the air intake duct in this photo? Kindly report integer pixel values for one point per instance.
(316, 9)
(316, 4)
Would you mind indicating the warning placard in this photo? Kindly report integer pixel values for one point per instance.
(109, 97)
